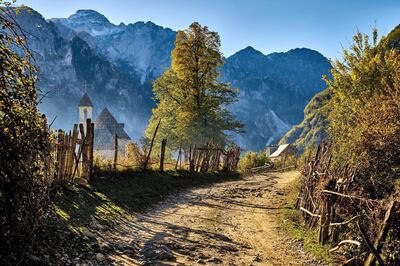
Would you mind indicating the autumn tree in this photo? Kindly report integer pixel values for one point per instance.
(364, 121)
(191, 101)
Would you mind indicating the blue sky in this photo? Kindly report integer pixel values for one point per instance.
(267, 25)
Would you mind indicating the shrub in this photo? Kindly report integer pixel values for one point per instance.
(252, 159)
(24, 145)
(365, 113)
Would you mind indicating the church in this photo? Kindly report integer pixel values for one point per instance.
(105, 129)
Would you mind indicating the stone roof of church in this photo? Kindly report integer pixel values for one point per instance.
(106, 123)
(85, 101)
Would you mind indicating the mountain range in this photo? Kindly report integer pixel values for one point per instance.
(116, 65)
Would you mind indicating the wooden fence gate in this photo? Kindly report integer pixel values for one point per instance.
(72, 152)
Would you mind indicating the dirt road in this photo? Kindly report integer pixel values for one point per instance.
(231, 223)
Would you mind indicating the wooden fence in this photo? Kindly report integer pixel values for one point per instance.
(209, 158)
(326, 202)
(72, 152)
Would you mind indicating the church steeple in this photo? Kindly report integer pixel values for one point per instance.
(85, 109)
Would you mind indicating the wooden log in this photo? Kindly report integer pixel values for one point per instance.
(385, 226)
(345, 222)
(162, 156)
(369, 244)
(345, 196)
(310, 213)
(146, 162)
(115, 152)
(347, 241)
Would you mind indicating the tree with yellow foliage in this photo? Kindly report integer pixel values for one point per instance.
(191, 102)
(364, 121)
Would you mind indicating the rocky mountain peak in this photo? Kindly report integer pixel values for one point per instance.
(249, 51)
(90, 21)
(89, 16)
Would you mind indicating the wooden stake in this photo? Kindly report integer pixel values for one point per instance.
(151, 146)
(163, 144)
(380, 240)
(91, 150)
(115, 152)
(369, 244)
(179, 156)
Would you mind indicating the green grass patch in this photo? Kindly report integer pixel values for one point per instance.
(111, 196)
(292, 224)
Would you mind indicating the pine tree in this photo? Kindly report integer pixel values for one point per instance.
(191, 102)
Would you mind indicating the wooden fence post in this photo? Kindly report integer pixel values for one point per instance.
(191, 158)
(60, 146)
(163, 144)
(115, 152)
(151, 146)
(72, 162)
(88, 150)
(179, 156)
(324, 222)
(91, 146)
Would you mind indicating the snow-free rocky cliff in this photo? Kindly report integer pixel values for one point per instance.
(119, 63)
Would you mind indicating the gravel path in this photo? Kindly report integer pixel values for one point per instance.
(231, 223)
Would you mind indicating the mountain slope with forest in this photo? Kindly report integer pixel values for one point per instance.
(313, 129)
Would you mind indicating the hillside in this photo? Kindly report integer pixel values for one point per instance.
(312, 130)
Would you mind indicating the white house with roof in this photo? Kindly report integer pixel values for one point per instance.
(280, 152)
